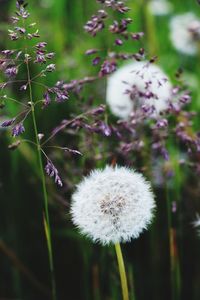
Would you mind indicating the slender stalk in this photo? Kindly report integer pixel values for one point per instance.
(172, 230)
(150, 29)
(14, 100)
(171, 246)
(173, 250)
(122, 272)
(46, 210)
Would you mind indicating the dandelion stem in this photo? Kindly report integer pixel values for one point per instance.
(46, 210)
(122, 272)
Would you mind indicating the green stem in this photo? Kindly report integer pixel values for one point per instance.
(122, 272)
(172, 227)
(150, 29)
(46, 210)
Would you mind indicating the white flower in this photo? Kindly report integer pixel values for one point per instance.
(141, 78)
(160, 7)
(185, 33)
(113, 205)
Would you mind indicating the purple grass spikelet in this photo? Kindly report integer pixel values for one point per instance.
(18, 129)
(7, 123)
(53, 172)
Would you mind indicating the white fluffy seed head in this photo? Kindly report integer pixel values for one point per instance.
(144, 77)
(185, 33)
(160, 7)
(196, 222)
(112, 205)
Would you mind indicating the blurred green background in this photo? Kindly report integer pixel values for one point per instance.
(85, 271)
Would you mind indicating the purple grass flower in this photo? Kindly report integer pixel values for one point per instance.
(126, 147)
(147, 109)
(120, 28)
(91, 51)
(40, 59)
(115, 5)
(50, 55)
(72, 151)
(61, 92)
(184, 99)
(20, 30)
(21, 5)
(47, 100)
(137, 36)
(7, 53)
(96, 61)
(120, 7)
(61, 96)
(99, 110)
(163, 123)
(116, 132)
(164, 153)
(23, 87)
(118, 42)
(53, 172)
(105, 128)
(18, 129)
(13, 36)
(51, 68)
(7, 123)
(14, 19)
(41, 45)
(11, 71)
(96, 23)
(107, 68)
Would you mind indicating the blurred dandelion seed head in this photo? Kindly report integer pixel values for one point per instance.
(196, 222)
(137, 84)
(160, 7)
(113, 205)
(185, 33)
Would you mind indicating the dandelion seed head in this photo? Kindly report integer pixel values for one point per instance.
(136, 84)
(112, 205)
(196, 222)
(160, 7)
(185, 33)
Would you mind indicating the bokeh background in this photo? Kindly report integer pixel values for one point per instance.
(83, 270)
